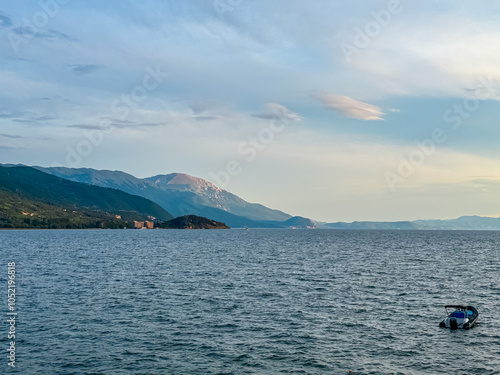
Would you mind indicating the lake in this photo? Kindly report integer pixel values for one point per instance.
(250, 301)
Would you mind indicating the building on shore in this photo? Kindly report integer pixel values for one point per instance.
(142, 224)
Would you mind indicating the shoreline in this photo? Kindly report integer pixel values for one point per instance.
(128, 229)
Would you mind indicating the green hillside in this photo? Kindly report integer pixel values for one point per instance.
(33, 199)
(17, 212)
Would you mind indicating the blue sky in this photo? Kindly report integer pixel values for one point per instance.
(338, 111)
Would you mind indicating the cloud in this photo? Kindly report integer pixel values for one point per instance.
(44, 118)
(7, 147)
(137, 125)
(453, 52)
(394, 110)
(88, 127)
(117, 124)
(27, 117)
(485, 182)
(28, 32)
(12, 114)
(15, 136)
(349, 107)
(10, 136)
(209, 110)
(4, 20)
(81, 69)
(209, 117)
(24, 116)
(278, 111)
(204, 106)
(23, 121)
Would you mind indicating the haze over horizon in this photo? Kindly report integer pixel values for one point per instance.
(378, 110)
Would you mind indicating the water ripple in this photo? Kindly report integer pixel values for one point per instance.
(253, 302)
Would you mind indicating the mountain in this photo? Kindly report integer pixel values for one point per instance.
(193, 222)
(27, 193)
(371, 225)
(300, 222)
(181, 194)
(101, 195)
(236, 221)
(209, 195)
(462, 223)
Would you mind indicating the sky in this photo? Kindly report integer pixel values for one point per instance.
(332, 110)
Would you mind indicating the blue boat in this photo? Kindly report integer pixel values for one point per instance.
(461, 317)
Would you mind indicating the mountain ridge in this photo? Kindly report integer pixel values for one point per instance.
(466, 222)
(181, 194)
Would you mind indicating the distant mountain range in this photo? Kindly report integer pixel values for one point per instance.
(178, 194)
(462, 223)
(181, 194)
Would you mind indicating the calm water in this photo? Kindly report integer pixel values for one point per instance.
(251, 302)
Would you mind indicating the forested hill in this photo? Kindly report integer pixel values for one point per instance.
(30, 198)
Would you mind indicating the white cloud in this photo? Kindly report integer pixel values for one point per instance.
(451, 53)
(202, 107)
(275, 110)
(349, 107)
(210, 110)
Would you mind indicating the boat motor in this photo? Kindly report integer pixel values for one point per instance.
(453, 323)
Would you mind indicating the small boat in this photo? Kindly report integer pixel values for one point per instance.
(461, 317)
